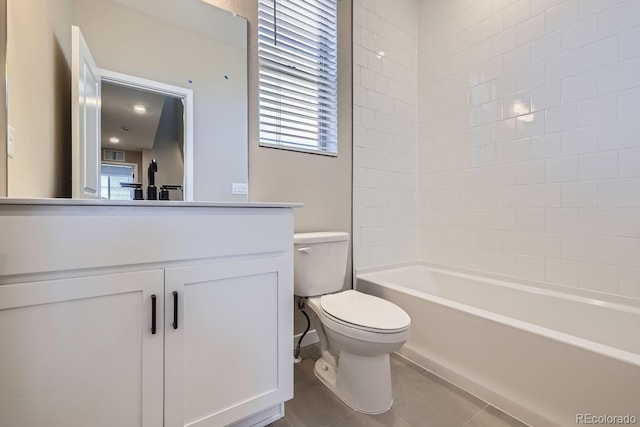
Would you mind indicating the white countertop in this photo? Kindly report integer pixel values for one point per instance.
(143, 203)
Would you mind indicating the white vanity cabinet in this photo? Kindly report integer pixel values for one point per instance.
(226, 356)
(80, 352)
(189, 327)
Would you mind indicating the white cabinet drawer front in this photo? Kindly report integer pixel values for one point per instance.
(233, 342)
(171, 234)
(79, 352)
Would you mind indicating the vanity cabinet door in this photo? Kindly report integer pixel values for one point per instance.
(230, 354)
(80, 352)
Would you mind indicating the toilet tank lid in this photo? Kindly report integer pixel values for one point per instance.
(319, 237)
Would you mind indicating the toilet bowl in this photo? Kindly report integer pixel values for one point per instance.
(357, 332)
(360, 374)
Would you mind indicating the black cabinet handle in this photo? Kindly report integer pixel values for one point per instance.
(153, 314)
(175, 309)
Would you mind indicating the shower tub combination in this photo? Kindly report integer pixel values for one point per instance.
(544, 354)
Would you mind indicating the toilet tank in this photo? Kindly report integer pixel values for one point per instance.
(319, 262)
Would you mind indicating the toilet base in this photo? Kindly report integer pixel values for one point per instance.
(363, 383)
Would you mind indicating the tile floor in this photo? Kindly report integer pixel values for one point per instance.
(421, 399)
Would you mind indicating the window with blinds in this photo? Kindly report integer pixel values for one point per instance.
(297, 54)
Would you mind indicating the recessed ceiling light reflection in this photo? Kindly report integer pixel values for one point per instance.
(519, 108)
(114, 140)
(140, 109)
(528, 118)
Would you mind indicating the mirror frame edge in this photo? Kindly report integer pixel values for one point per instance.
(4, 160)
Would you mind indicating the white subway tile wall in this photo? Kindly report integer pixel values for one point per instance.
(567, 169)
(527, 150)
(385, 84)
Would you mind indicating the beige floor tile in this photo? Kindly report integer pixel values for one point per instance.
(421, 399)
(432, 402)
(356, 419)
(282, 422)
(493, 417)
(303, 371)
(403, 371)
(314, 405)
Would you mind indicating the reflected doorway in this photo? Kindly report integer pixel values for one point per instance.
(111, 176)
(138, 125)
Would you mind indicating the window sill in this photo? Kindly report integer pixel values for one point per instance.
(299, 150)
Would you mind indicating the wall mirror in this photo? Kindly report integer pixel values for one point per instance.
(160, 55)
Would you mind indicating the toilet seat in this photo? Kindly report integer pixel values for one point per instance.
(364, 312)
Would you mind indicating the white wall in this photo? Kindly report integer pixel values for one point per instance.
(39, 98)
(384, 133)
(322, 183)
(3, 106)
(529, 139)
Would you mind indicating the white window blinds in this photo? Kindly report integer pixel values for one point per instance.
(297, 54)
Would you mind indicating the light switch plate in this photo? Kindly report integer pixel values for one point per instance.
(239, 188)
(11, 142)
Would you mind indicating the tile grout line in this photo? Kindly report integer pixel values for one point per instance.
(486, 405)
(336, 421)
(407, 422)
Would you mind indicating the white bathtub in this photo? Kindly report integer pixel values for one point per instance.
(541, 353)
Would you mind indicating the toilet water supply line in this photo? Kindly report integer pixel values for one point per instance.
(296, 352)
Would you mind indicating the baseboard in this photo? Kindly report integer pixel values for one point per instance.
(309, 339)
(262, 418)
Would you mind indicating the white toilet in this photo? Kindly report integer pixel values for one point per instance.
(357, 331)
